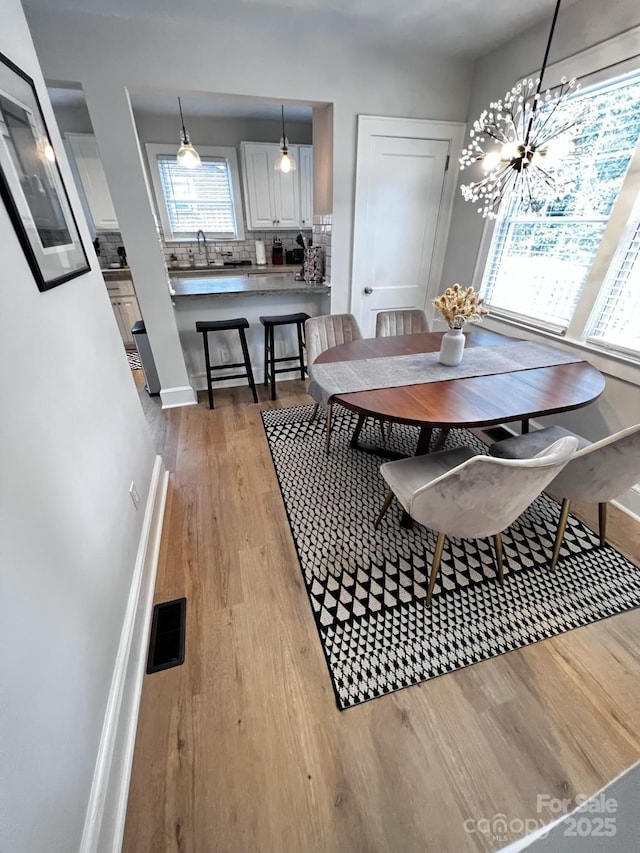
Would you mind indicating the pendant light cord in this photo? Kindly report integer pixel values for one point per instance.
(184, 130)
(284, 138)
(542, 70)
(546, 53)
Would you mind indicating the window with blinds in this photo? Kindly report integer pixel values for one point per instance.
(198, 198)
(539, 261)
(615, 322)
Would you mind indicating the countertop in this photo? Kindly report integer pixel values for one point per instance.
(225, 272)
(117, 274)
(209, 272)
(260, 285)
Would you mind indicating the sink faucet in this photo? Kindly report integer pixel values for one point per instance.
(204, 243)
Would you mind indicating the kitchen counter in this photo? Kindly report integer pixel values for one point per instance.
(116, 274)
(247, 269)
(210, 272)
(257, 285)
(241, 295)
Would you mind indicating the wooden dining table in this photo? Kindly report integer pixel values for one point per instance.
(478, 401)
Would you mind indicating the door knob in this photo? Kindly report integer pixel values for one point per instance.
(368, 290)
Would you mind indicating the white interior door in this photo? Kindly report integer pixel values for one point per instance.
(401, 210)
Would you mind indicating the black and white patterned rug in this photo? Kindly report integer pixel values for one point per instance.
(134, 359)
(367, 587)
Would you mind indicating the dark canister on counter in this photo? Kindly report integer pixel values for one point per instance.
(277, 256)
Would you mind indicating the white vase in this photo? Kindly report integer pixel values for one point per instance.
(452, 347)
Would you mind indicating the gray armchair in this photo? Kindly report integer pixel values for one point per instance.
(324, 332)
(407, 321)
(458, 493)
(599, 472)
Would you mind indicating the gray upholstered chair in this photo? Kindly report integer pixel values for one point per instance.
(324, 332)
(599, 472)
(408, 321)
(461, 494)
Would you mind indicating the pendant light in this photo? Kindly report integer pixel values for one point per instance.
(187, 155)
(523, 145)
(286, 162)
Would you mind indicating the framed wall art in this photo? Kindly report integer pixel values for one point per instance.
(31, 185)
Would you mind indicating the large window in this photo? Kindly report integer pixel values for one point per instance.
(615, 321)
(189, 200)
(540, 260)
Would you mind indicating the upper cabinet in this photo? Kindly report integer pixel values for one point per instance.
(94, 182)
(272, 199)
(305, 170)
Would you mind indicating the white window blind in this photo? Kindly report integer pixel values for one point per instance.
(539, 261)
(615, 323)
(198, 198)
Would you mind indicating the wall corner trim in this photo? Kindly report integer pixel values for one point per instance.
(106, 810)
(182, 395)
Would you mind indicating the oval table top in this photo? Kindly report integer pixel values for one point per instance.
(473, 402)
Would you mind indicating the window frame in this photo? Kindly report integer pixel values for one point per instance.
(595, 65)
(229, 154)
(627, 240)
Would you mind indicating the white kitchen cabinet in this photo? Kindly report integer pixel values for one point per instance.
(272, 199)
(93, 180)
(125, 307)
(305, 169)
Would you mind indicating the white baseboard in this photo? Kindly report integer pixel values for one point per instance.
(106, 812)
(619, 795)
(630, 503)
(182, 395)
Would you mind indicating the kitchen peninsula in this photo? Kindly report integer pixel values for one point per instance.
(219, 297)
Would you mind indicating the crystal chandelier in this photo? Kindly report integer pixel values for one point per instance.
(522, 143)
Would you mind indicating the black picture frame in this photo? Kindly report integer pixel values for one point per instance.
(31, 184)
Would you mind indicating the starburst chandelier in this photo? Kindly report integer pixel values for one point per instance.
(523, 145)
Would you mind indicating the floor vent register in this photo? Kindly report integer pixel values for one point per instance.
(166, 646)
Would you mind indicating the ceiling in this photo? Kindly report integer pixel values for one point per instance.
(206, 105)
(468, 28)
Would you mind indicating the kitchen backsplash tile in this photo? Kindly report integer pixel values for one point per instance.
(109, 242)
(244, 250)
(322, 237)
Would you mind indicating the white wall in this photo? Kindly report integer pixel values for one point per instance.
(153, 127)
(579, 26)
(72, 119)
(323, 161)
(156, 127)
(287, 60)
(72, 437)
(223, 132)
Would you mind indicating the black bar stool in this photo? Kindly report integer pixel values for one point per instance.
(270, 359)
(240, 324)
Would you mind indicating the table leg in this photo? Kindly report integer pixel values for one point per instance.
(356, 432)
(525, 426)
(405, 520)
(424, 440)
(441, 441)
(385, 452)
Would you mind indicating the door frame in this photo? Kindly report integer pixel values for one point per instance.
(370, 127)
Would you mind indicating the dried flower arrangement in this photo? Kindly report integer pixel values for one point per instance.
(458, 306)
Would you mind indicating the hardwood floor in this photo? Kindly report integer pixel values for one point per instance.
(243, 749)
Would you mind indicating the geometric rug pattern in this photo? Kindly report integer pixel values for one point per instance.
(367, 587)
(134, 360)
